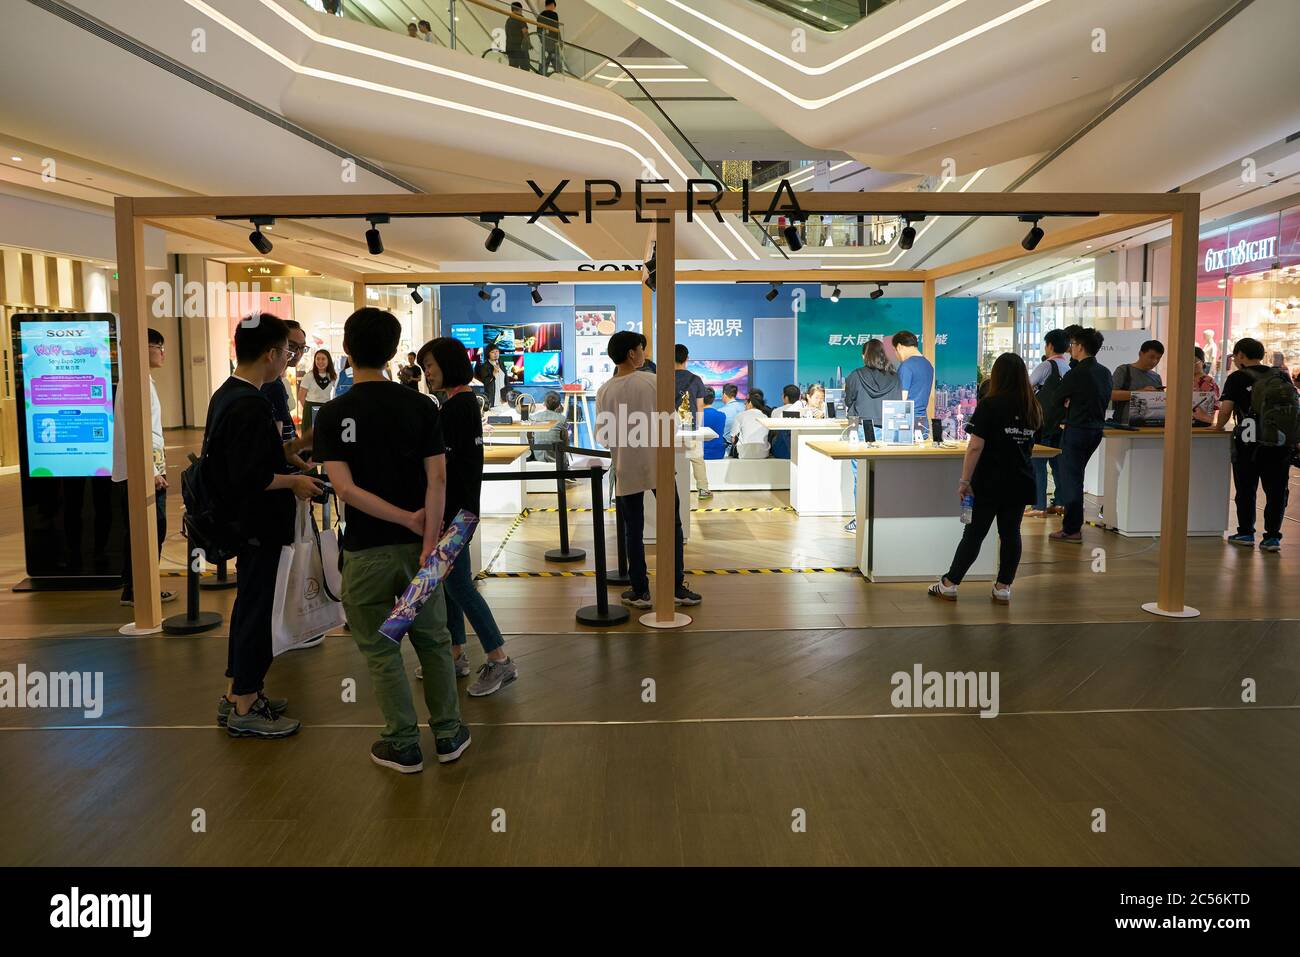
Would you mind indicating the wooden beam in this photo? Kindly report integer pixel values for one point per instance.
(929, 332)
(1055, 239)
(358, 296)
(1171, 577)
(133, 366)
(775, 273)
(665, 392)
(571, 202)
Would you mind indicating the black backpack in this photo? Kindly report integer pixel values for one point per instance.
(209, 523)
(1053, 411)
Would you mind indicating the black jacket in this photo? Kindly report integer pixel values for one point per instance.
(486, 374)
(1087, 388)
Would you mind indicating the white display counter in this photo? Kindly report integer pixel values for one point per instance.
(907, 509)
(685, 438)
(819, 485)
(1125, 480)
(500, 497)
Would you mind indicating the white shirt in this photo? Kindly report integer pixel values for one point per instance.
(315, 393)
(119, 434)
(749, 427)
(625, 409)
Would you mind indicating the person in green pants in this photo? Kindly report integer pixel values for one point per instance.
(385, 456)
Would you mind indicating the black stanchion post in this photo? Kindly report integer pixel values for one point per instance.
(600, 613)
(564, 553)
(194, 620)
(619, 577)
(222, 580)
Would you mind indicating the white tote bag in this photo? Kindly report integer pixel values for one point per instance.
(306, 602)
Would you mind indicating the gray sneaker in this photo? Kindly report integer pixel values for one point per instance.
(261, 722)
(492, 677)
(462, 666)
(278, 707)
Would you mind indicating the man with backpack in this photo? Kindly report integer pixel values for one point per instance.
(1046, 380)
(1081, 402)
(244, 485)
(1263, 402)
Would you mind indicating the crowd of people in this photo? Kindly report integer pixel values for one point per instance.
(404, 462)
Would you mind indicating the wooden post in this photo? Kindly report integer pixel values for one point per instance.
(665, 478)
(133, 366)
(928, 333)
(1171, 577)
(358, 295)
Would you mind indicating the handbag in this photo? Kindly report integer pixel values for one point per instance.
(305, 604)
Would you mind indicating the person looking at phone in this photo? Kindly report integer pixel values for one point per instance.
(1137, 376)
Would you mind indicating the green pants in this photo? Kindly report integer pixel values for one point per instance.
(372, 580)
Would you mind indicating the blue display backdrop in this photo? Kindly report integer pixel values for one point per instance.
(831, 336)
(717, 322)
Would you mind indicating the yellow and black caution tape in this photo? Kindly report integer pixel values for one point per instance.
(746, 508)
(689, 571)
(514, 526)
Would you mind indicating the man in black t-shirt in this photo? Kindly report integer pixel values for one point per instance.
(1253, 464)
(384, 452)
(691, 388)
(1081, 400)
(244, 466)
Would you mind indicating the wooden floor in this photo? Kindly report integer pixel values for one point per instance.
(776, 699)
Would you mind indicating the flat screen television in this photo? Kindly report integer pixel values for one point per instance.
(719, 372)
(542, 368)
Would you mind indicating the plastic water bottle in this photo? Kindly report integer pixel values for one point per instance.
(967, 507)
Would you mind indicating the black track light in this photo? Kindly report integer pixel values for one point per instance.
(1035, 234)
(415, 294)
(878, 291)
(375, 242)
(792, 237)
(259, 241)
(835, 294)
(496, 236)
(482, 291)
(536, 293)
(771, 293)
(908, 236)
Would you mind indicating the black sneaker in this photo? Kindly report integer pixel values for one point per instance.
(449, 749)
(685, 596)
(278, 707)
(403, 760)
(261, 722)
(630, 597)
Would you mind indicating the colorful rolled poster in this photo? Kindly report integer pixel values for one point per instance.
(434, 570)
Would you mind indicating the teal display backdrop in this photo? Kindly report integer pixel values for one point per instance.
(831, 335)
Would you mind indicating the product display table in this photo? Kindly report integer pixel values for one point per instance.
(503, 498)
(1125, 476)
(818, 485)
(907, 509)
(682, 472)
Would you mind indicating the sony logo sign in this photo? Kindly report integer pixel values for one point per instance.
(607, 267)
(700, 194)
(1218, 260)
(70, 333)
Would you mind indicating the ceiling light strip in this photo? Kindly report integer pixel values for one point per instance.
(320, 38)
(807, 104)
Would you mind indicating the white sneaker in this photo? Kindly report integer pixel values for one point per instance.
(940, 590)
(1002, 595)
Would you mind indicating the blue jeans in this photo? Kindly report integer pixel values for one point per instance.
(1077, 446)
(633, 511)
(464, 600)
(853, 463)
(1040, 474)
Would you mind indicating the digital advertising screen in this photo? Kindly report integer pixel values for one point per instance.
(542, 368)
(470, 335)
(67, 390)
(719, 372)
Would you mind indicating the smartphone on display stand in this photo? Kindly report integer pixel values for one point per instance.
(869, 430)
(936, 431)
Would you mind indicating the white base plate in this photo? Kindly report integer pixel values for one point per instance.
(1187, 612)
(133, 630)
(677, 621)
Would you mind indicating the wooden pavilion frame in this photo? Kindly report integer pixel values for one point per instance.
(1110, 212)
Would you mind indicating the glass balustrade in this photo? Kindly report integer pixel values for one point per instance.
(829, 15)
